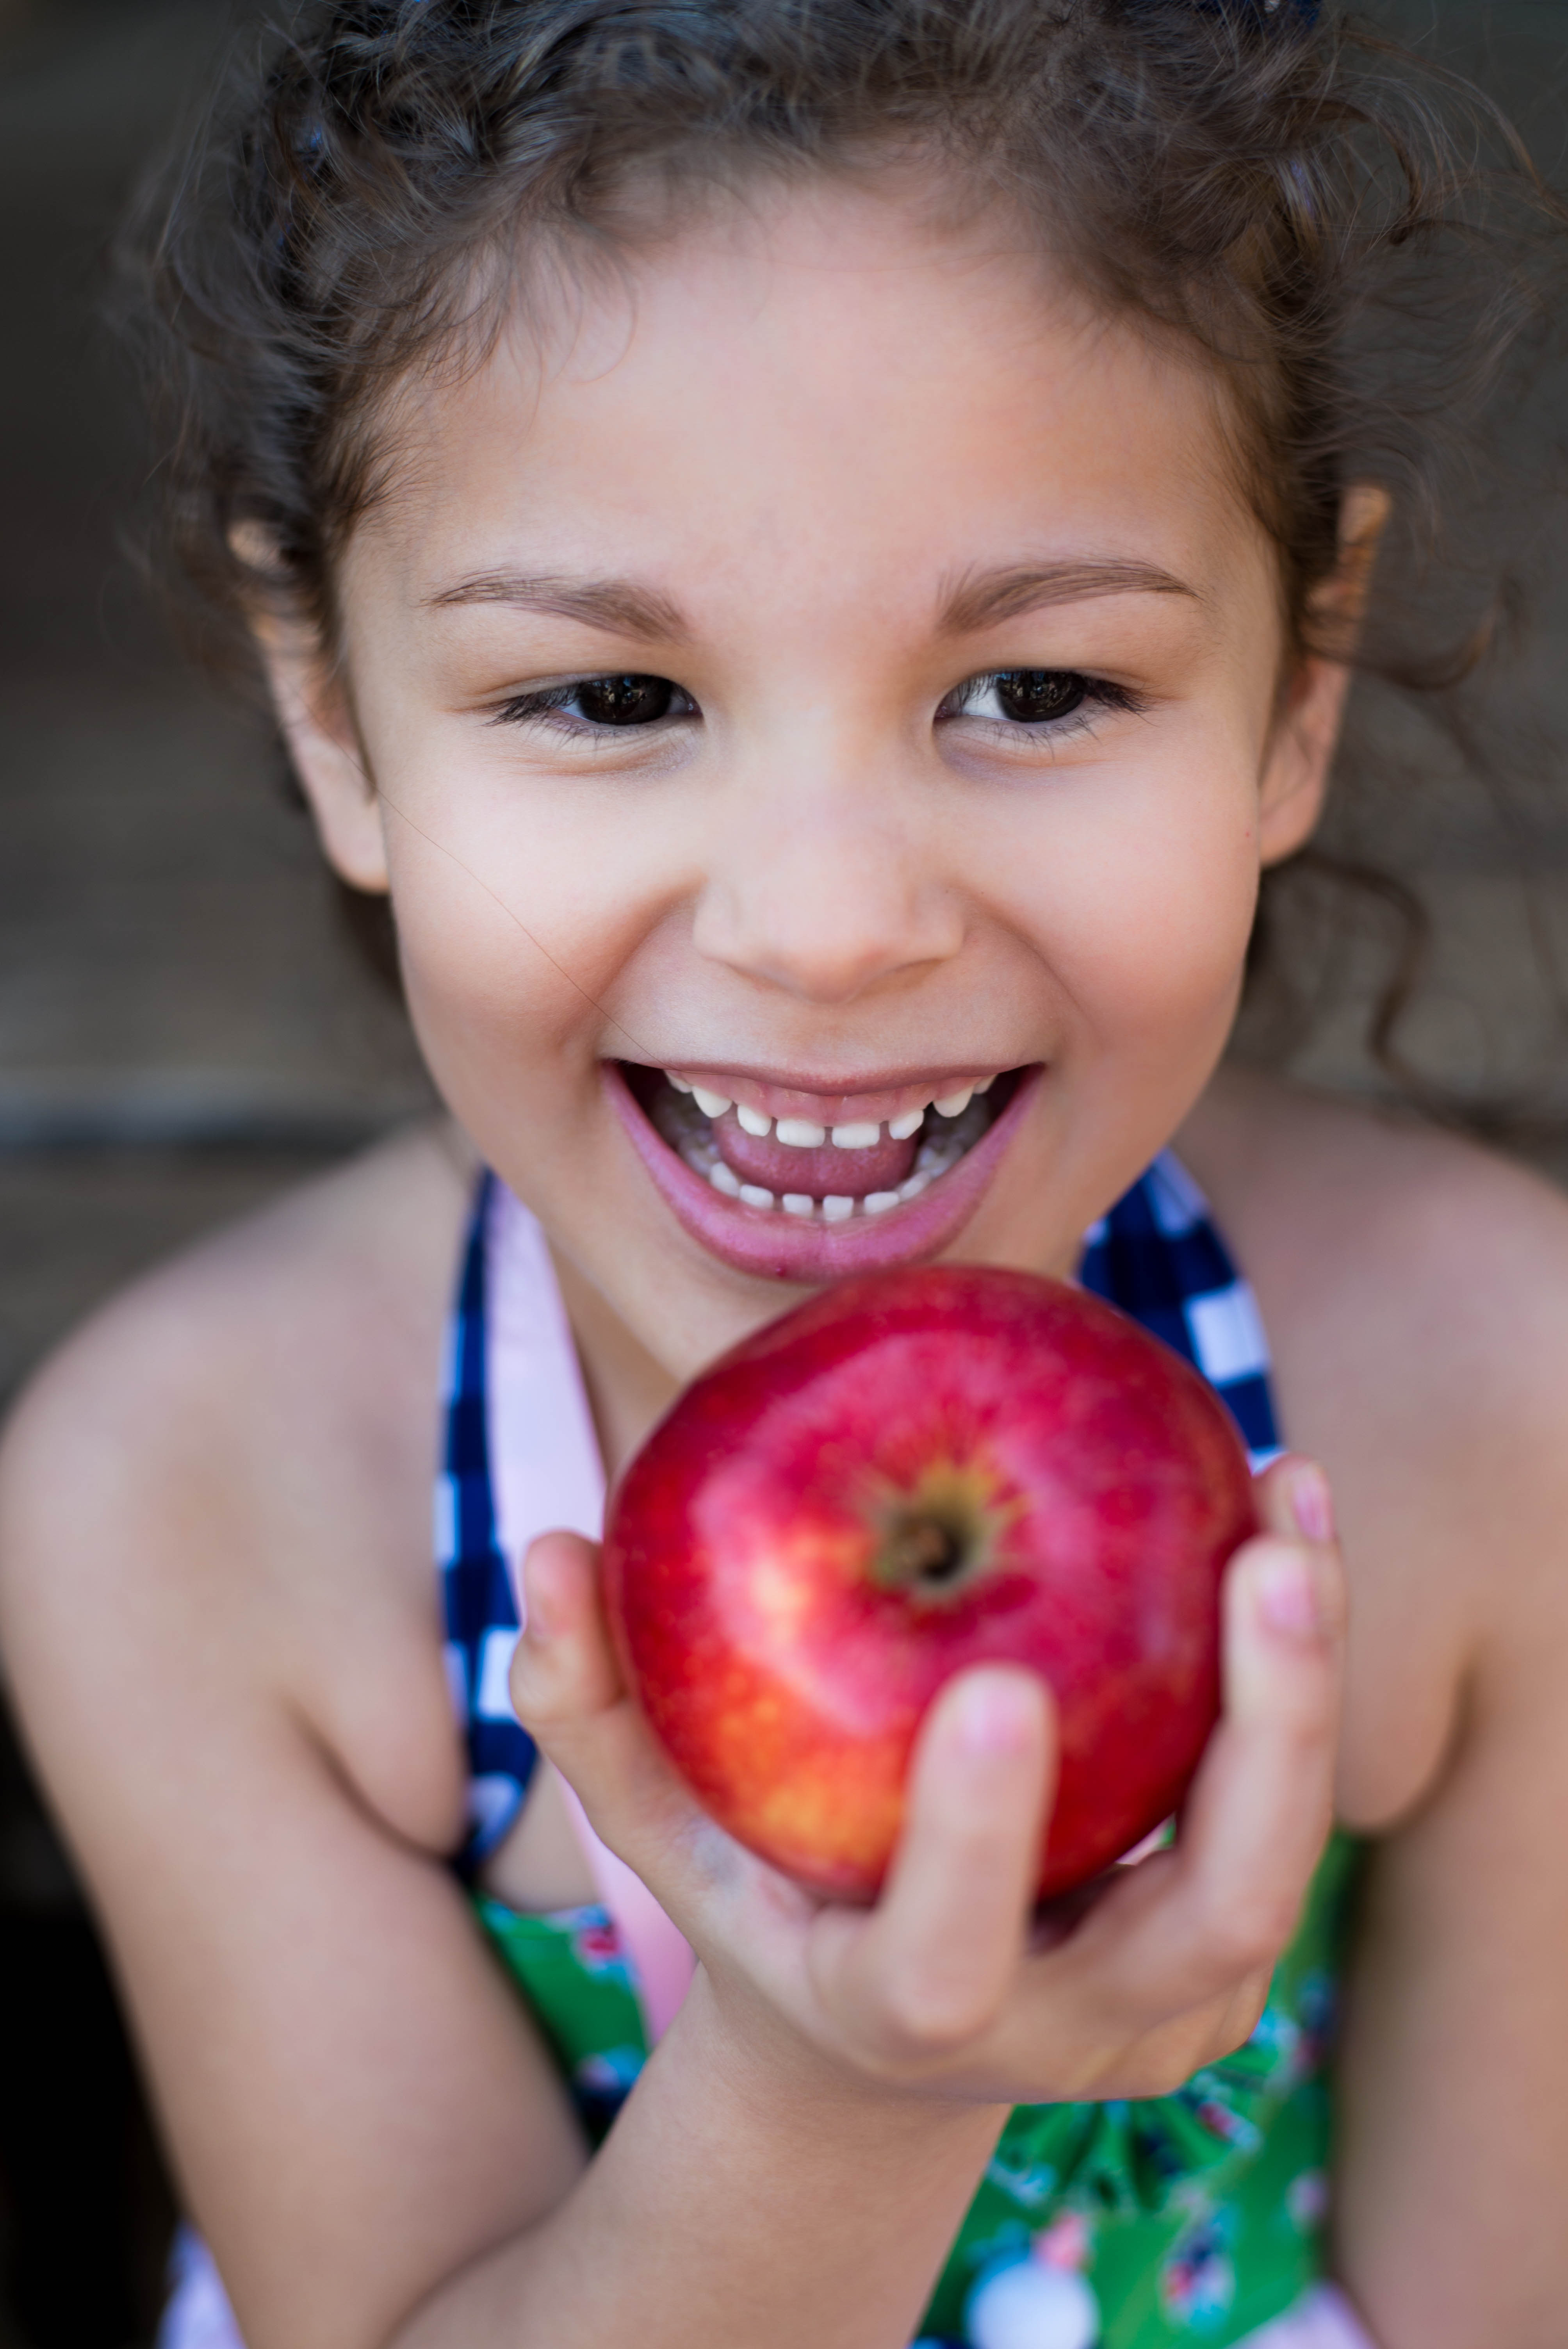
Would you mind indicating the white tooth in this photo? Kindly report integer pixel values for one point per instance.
(752, 1121)
(985, 1084)
(800, 1132)
(679, 1083)
(723, 1178)
(902, 1128)
(797, 1203)
(877, 1203)
(913, 1188)
(710, 1104)
(838, 1211)
(862, 1135)
(754, 1195)
(954, 1104)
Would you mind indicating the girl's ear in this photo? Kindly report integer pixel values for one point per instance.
(1301, 750)
(317, 726)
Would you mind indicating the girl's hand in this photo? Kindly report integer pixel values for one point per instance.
(949, 1985)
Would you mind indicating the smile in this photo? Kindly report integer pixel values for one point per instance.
(772, 1189)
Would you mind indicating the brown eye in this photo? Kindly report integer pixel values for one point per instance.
(1030, 695)
(625, 700)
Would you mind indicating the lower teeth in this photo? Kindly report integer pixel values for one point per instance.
(690, 1133)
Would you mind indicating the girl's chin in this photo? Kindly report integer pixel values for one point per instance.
(811, 1241)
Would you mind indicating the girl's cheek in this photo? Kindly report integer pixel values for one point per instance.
(490, 998)
(1143, 917)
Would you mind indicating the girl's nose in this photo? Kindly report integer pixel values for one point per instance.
(828, 896)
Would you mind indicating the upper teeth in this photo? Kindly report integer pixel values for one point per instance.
(805, 1134)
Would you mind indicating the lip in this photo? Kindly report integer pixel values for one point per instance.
(774, 1246)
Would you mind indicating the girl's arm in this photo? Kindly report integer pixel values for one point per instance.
(248, 1735)
(1417, 1293)
(1454, 2160)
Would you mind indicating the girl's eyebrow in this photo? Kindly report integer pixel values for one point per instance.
(626, 607)
(982, 598)
(622, 606)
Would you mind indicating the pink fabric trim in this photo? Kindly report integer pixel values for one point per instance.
(546, 1468)
(546, 1472)
(1324, 2320)
(661, 1956)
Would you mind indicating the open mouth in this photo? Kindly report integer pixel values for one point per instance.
(793, 1167)
(797, 1197)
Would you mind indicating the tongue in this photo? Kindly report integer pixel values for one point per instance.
(819, 1174)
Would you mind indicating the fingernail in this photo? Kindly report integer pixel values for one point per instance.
(1312, 1503)
(1287, 1597)
(539, 1622)
(996, 1713)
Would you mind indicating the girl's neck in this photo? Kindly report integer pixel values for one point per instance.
(627, 1389)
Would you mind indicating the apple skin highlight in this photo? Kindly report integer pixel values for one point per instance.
(918, 1471)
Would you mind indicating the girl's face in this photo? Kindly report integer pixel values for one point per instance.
(827, 673)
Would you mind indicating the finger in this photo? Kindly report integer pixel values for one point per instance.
(932, 1964)
(1227, 1900)
(563, 1668)
(568, 1691)
(1294, 1502)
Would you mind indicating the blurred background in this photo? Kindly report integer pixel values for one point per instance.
(183, 1029)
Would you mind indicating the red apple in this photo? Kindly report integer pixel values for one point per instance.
(912, 1473)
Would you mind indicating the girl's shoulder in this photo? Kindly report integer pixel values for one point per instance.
(1415, 1291)
(222, 1479)
(1375, 1236)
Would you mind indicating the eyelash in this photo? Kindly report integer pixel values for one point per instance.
(1095, 695)
(551, 701)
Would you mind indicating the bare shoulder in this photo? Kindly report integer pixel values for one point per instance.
(226, 1472)
(1382, 1238)
(1415, 1288)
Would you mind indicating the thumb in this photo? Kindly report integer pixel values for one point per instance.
(563, 1668)
(570, 1694)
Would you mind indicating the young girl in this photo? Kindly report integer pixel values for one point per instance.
(814, 552)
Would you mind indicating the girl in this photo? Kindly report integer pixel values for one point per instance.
(814, 553)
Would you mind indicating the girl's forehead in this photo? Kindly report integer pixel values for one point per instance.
(832, 365)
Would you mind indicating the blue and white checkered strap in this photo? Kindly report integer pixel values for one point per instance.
(1158, 1256)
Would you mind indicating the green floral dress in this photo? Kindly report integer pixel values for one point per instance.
(1185, 2219)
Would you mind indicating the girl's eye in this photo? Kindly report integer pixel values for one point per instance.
(628, 701)
(1030, 695)
(1027, 696)
(625, 700)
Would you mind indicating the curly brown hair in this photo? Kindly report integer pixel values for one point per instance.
(1356, 245)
